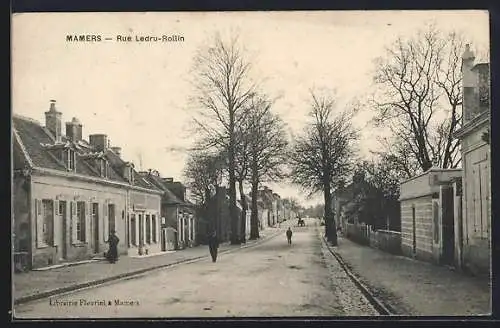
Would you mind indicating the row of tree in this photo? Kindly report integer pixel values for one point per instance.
(417, 98)
(241, 140)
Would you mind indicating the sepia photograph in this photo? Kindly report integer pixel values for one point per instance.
(250, 164)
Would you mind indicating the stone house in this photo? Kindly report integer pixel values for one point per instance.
(179, 228)
(67, 193)
(474, 245)
(428, 215)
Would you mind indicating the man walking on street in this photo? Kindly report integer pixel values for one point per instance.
(289, 235)
(213, 245)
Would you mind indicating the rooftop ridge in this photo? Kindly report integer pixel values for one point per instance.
(26, 118)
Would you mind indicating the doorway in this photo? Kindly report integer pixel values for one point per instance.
(141, 230)
(448, 225)
(111, 218)
(95, 225)
(163, 239)
(64, 218)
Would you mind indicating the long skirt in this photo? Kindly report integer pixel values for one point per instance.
(213, 253)
(112, 254)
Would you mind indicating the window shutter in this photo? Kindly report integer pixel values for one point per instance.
(74, 236)
(87, 221)
(39, 223)
(56, 207)
(105, 222)
(56, 225)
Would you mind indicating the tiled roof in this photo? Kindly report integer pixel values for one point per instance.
(169, 196)
(33, 136)
(18, 157)
(118, 163)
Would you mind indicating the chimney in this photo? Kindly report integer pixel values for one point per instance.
(469, 84)
(117, 150)
(99, 142)
(53, 121)
(74, 130)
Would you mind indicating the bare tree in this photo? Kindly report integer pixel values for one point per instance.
(203, 172)
(419, 99)
(223, 86)
(322, 155)
(242, 163)
(267, 151)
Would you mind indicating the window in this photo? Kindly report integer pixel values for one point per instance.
(71, 160)
(133, 238)
(47, 223)
(103, 168)
(148, 229)
(153, 224)
(80, 221)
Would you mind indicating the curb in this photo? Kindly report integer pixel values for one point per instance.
(62, 290)
(374, 301)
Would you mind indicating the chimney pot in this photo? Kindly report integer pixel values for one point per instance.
(98, 141)
(53, 121)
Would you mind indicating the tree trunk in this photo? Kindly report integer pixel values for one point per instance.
(233, 213)
(254, 218)
(330, 226)
(244, 207)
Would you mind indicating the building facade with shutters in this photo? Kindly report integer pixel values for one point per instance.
(474, 246)
(68, 194)
(179, 225)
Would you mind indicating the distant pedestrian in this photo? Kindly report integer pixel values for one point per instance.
(213, 245)
(112, 253)
(289, 234)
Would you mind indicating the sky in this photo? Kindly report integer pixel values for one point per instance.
(137, 93)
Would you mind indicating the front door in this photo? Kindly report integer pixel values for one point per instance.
(95, 225)
(163, 239)
(64, 236)
(448, 220)
(111, 217)
(141, 230)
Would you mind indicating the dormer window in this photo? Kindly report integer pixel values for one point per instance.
(128, 172)
(104, 168)
(69, 159)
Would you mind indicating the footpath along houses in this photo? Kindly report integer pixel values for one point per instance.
(69, 193)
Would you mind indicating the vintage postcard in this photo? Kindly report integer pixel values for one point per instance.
(251, 164)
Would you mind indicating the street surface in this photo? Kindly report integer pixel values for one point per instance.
(270, 279)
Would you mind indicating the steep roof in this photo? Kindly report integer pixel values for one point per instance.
(33, 137)
(169, 197)
(37, 144)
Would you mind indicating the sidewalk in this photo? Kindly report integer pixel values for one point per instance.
(39, 284)
(413, 287)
